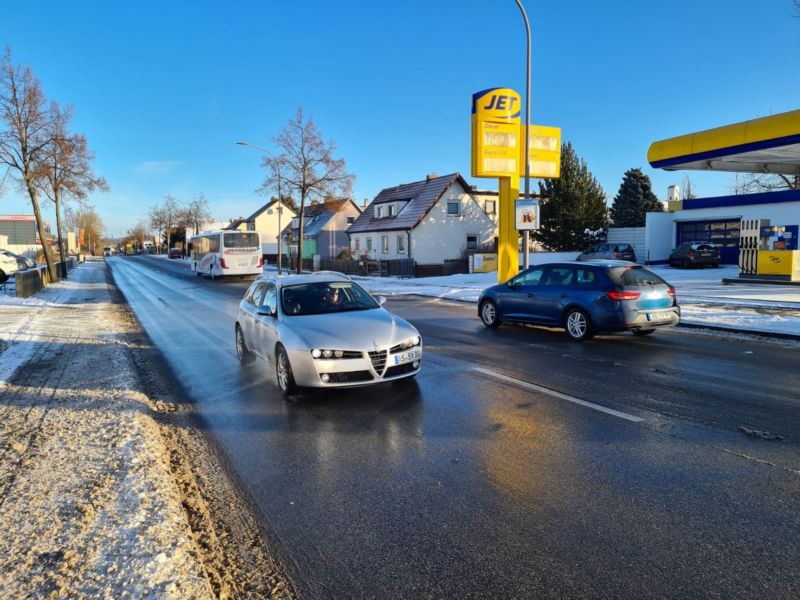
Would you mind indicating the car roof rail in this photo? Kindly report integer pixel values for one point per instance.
(329, 273)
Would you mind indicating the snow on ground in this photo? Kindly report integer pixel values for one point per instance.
(703, 297)
(88, 507)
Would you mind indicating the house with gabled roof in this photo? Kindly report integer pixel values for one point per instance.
(325, 227)
(267, 222)
(430, 221)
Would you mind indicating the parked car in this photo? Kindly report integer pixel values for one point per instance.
(174, 253)
(23, 262)
(323, 330)
(607, 251)
(8, 266)
(583, 298)
(695, 254)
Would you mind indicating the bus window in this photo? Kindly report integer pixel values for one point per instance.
(241, 239)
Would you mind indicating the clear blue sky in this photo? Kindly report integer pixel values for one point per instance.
(163, 90)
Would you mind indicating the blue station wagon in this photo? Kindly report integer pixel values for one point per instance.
(584, 298)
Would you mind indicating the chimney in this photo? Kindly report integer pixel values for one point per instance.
(431, 176)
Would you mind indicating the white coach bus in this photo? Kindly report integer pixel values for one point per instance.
(223, 253)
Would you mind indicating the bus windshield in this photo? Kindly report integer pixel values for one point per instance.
(241, 239)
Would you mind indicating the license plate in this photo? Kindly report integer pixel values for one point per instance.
(659, 316)
(407, 357)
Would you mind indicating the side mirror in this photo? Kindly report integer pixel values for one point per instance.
(266, 311)
(381, 300)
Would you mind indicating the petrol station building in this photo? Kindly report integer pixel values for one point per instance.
(765, 145)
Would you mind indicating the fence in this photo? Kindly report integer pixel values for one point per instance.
(403, 267)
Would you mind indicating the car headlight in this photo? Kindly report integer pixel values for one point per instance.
(329, 353)
(406, 344)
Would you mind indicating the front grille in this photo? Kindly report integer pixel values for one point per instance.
(350, 377)
(400, 370)
(378, 359)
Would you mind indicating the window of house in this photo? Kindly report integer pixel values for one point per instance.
(391, 210)
(401, 244)
(453, 208)
(490, 207)
(379, 212)
(350, 220)
(358, 244)
(472, 242)
(385, 244)
(369, 244)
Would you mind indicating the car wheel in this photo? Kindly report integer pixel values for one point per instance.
(643, 331)
(245, 355)
(488, 312)
(283, 371)
(3, 277)
(578, 325)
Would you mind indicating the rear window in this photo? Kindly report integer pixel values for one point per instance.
(241, 239)
(703, 246)
(634, 277)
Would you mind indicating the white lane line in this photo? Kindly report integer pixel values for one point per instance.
(544, 390)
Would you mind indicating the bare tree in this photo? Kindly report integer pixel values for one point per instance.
(69, 172)
(687, 189)
(754, 183)
(25, 140)
(196, 214)
(311, 170)
(86, 219)
(165, 217)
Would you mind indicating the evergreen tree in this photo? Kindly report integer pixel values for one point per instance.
(634, 199)
(573, 208)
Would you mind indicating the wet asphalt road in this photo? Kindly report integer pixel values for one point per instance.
(470, 483)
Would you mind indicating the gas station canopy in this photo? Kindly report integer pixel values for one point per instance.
(766, 145)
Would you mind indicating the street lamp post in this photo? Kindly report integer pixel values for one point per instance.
(278, 160)
(527, 126)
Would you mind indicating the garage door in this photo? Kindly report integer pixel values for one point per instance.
(724, 233)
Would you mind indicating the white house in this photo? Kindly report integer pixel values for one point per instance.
(265, 221)
(429, 221)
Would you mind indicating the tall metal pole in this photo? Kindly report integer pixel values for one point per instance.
(280, 230)
(278, 161)
(527, 126)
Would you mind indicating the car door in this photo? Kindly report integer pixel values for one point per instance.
(266, 326)
(514, 302)
(250, 306)
(554, 294)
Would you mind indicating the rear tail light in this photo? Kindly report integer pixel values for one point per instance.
(616, 295)
(671, 292)
(260, 262)
(692, 254)
(616, 254)
(222, 263)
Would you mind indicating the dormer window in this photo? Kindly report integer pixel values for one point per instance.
(379, 212)
(391, 210)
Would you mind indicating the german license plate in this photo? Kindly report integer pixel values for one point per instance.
(407, 357)
(659, 316)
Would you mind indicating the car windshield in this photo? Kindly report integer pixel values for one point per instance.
(241, 239)
(634, 277)
(325, 297)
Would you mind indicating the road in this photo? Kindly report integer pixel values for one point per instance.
(519, 465)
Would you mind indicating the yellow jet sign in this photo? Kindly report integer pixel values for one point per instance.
(495, 133)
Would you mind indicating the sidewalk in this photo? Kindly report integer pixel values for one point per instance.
(88, 507)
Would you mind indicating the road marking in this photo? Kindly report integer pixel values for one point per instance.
(549, 392)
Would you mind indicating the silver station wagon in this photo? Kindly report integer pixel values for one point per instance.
(323, 330)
